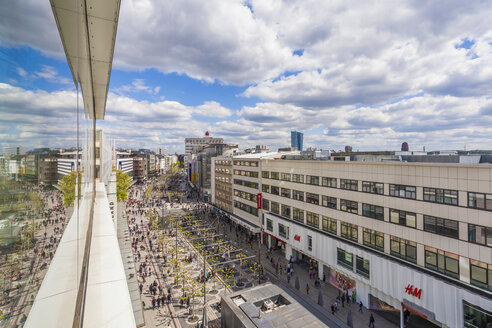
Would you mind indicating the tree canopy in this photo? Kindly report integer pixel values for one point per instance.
(67, 186)
(123, 182)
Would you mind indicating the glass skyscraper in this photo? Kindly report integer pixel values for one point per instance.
(296, 139)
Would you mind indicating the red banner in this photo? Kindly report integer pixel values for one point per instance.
(258, 201)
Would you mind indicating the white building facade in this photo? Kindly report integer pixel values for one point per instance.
(414, 236)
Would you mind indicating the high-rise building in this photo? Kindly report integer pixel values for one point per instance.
(193, 145)
(296, 139)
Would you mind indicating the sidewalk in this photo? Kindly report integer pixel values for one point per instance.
(328, 291)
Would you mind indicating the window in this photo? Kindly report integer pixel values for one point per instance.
(475, 316)
(285, 211)
(373, 211)
(283, 231)
(274, 207)
(298, 195)
(312, 219)
(274, 175)
(443, 196)
(245, 195)
(312, 180)
(374, 239)
(312, 198)
(483, 201)
(266, 204)
(310, 243)
(349, 184)
(265, 188)
(248, 184)
(349, 231)
(441, 261)
(330, 202)
(250, 209)
(329, 225)
(362, 266)
(284, 192)
(403, 218)
(299, 178)
(345, 259)
(404, 249)
(481, 274)
(285, 176)
(274, 190)
(480, 235)
(348, 206)
(265, 174)
(373, 187)
(269, 225)
(445, 227)
(250, 174)
(329, 182)
(402, 191)
(298, 215)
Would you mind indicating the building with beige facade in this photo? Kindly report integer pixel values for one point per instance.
(412, 237)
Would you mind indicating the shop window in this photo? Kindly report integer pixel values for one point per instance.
(362, 266)
(345, 259)
(476, 317)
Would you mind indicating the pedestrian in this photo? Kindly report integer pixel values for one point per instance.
(343, 299)
(360, 308)
(307, 288)
(333, 309)
(140, 287)
(153, 303)
(371, 321)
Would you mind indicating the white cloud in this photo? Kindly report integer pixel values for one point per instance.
(212, 109)
(51, 74)
(21, 72)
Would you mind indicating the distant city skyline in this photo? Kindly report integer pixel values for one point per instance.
(250, 72)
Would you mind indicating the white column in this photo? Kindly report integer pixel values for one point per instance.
(402, 323)
(288, 252)
(320, 270)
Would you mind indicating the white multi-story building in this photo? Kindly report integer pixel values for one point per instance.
(192, 145)
(414, 237)
(67, 162)
(125, 164)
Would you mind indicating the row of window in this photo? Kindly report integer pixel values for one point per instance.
(245, 195)
(223, 162)
(346, 260)
(251, 174)
(435, 195)
(246, 163)
(244, 183)
(246, 208)
(222, 170)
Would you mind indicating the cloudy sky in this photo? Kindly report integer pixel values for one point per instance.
(370, 74)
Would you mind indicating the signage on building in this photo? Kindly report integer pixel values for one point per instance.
(297, 237)
(258, 201)
(414, 291)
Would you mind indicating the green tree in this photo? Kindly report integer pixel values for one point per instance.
(67, 186)
(123, 182)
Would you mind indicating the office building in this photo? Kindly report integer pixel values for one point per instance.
(192, 145)
(296, 139)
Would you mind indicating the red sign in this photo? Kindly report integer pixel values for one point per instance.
(258, 201)
(410, 290)
(297, 237)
